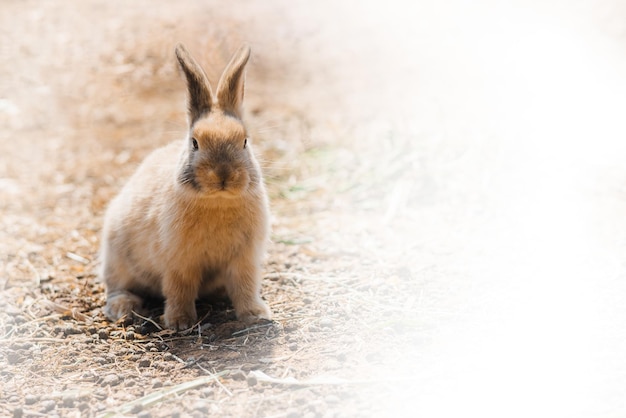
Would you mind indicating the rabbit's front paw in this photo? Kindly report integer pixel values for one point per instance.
(121, 304)
(254, 313)
(178, 318)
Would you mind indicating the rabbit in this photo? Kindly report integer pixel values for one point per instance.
(193, 218)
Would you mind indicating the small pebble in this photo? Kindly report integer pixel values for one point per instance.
(293, 414)
(89, 376)
(157, 384)
(246, 367)
(21, 346)
(31, 399)
(162, 365)
(130, 335)
(48, 405)
(290, 327)
(238, 375)
(110, 380)
(14, 357)
(326, 323)
(18, 412)
(293, 346)
(136, 409)
(103, 334)
(251, 379)
(201, 406)
(71, 330)
(332, 399)
(144, 414)
(144, 363)
(100, 395)
(69, 400)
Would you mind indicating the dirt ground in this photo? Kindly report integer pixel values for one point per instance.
(447, 191)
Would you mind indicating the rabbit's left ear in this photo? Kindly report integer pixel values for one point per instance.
(199, 89)
(231, 85)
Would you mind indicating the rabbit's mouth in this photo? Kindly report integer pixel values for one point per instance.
(221, 189)
(226, 194)
(225, 190)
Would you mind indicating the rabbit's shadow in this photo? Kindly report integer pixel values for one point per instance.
(211, 311)
(216, 320)
(216, 335)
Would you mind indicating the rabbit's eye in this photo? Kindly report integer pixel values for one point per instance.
(194, 144)
(245, 142)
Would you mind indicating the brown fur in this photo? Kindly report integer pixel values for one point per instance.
(191, 221)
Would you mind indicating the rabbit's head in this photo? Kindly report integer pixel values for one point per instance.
(217, 160)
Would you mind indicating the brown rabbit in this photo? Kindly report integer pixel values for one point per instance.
(193, 219)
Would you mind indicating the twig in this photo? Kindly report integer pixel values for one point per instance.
(33, 339)
(161, 395)
(149, 320)
(286, 275)
(178, 359)
(77, 258)
(251, 328)
(197, 324)
(315, 381)
(195, 363)
(37, 275)
(220, 384)
(64, 310)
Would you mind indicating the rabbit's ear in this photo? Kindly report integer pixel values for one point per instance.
(200, 94)
(231, 84)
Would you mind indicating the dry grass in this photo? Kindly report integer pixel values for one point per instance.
(417, 262)
(104, 94)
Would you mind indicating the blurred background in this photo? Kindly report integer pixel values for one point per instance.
(449, 176)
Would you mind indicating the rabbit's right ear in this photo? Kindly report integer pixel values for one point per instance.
(200, 94)
(231, 85)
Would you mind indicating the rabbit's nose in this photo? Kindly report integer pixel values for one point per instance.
(223, 174)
